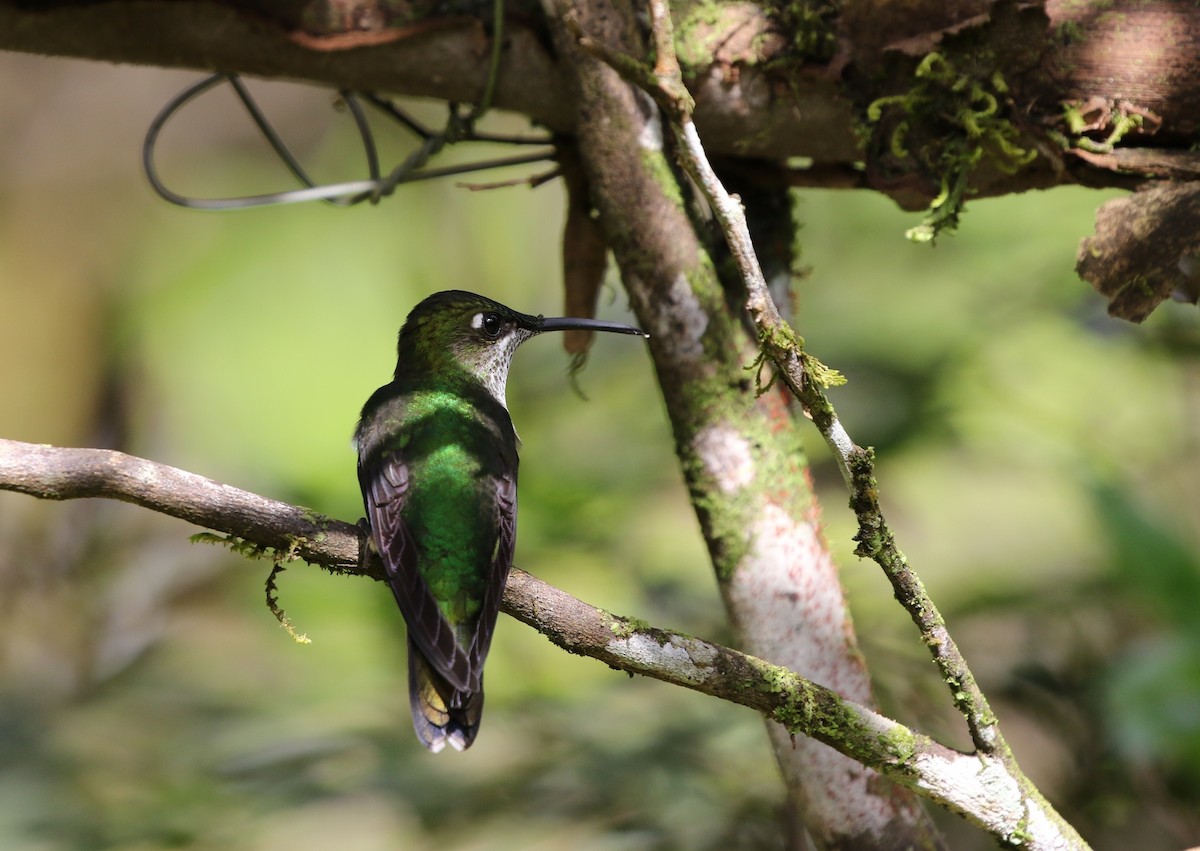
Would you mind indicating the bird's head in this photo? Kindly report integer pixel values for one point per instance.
(456, 332)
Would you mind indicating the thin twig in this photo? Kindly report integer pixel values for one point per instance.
(533, 181)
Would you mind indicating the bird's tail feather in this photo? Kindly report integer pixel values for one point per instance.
(441, 713)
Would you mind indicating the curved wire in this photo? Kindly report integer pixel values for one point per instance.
(285, 154)
(364, 131)
(333, 193)
(344, 194)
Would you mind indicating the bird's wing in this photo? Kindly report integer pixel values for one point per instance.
(502, 558)
(384, 481)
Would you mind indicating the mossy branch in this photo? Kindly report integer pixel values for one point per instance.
(977, 786)
(808, 378)
(675, 287)
(961, 124)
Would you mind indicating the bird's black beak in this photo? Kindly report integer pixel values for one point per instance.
(570, 323)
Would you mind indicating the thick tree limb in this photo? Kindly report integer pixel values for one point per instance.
(978, 787)
(428, 56)
(763, 80)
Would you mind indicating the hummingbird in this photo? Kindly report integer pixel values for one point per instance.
(437, 464)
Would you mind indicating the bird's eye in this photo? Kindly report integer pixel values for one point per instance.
(490, 324)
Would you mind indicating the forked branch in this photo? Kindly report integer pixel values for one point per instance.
(807, 379)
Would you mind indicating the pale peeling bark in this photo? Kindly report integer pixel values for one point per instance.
(787, 605)
(785, 600)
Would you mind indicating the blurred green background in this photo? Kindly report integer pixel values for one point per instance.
(1040, 461)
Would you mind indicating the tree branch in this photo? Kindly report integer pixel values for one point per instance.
(763, 78)
(741, 459)
(979, 787)
(785, 349)
(1094, 94)
(807, 378)
(51, 472)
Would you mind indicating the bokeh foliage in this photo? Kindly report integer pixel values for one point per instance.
(1039, 460)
